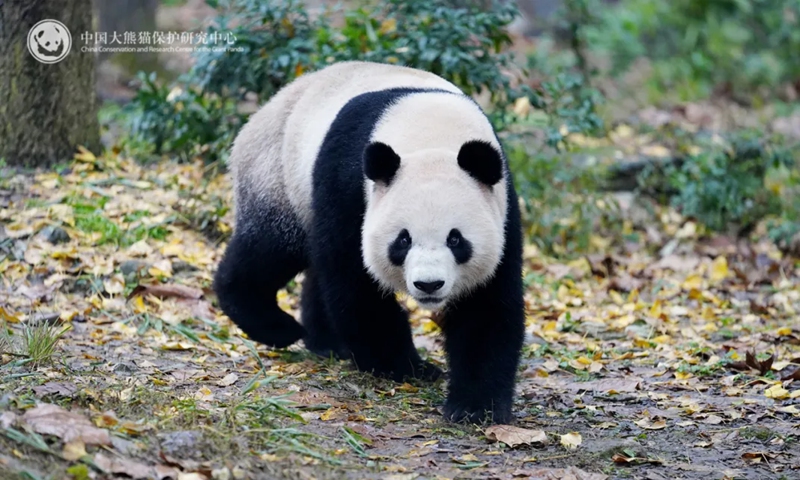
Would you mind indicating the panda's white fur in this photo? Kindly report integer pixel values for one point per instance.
(275, 154)
(426, 131)
(374, 179)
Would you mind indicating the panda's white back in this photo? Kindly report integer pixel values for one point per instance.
(273, 156)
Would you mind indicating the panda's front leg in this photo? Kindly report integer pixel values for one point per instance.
(375, 330)
(483, 339)
(372, 325)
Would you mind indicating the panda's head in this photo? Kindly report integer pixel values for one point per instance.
(434, 223)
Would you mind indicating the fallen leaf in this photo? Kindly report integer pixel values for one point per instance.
(649, 424)
(64, 389)
(719, 269)
(51, 419)
(571, 440)
(74, 450)
(166, 291)
(133, 469)
(513, 436)
(777, 392)
(228, 380)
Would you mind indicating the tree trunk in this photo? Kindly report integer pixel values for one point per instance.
(46, 110)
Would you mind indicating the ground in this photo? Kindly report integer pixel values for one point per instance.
(672, 355)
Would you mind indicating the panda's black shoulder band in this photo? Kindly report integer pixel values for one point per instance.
(380, 162)
(482, 161)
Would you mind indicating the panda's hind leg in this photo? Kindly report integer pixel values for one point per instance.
(320, 337)
(266, 251)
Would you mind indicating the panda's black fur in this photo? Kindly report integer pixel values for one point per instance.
(343, 310)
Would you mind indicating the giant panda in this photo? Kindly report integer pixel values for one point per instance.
(375, 179)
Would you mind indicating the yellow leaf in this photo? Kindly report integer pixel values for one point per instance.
(522, 106)
(693, 281)
(84, 155)
(74, 450)
(7, 316)
(330, 414)
(571, 440)
(655, 310)
(777, 392)
(388, 26)
(107, 419)
(647, 424)
(616, 297)
(138, 304)
(719, 269)
(656, 151)
(683, 375)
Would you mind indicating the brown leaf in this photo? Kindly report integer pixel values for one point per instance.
(793, 375)
(167, 290)
(69, 426)
(757, 457)
(762, 367)
(513, 436)
(59, 388)
(132, 468)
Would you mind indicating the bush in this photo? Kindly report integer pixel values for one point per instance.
(182, 120)
(724, 185)
(696, 46)
(280, 41)
(562, 211)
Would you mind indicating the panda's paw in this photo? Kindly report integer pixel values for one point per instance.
(477, 413)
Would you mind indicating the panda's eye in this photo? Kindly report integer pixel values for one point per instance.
(404, 240)
(454, 239)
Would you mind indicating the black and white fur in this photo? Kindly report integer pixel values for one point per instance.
(375, 179)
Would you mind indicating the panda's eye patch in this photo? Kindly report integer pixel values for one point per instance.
(399, 248)
(460, 246)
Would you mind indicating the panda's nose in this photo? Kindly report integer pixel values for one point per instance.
(429, 287)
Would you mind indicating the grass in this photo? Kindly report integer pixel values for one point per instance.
(40, 341)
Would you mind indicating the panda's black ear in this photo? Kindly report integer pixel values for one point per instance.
(380, 162)
(482, 161)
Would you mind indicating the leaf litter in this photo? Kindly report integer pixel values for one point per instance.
(676, 353)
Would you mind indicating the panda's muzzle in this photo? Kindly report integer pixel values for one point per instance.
(429, 287)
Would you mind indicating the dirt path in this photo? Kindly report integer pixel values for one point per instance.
(635, 367)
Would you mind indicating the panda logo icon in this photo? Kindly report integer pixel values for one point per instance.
(49, 41)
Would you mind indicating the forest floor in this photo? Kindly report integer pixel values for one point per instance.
(673, 355)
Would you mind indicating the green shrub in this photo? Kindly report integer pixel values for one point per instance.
(182, 121)
(563, 213)
(724, 185)
(742, 46)
(280, 41)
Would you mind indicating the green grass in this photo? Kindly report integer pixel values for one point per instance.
(40, 341)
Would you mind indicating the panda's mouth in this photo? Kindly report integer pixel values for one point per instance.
(430, 302)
